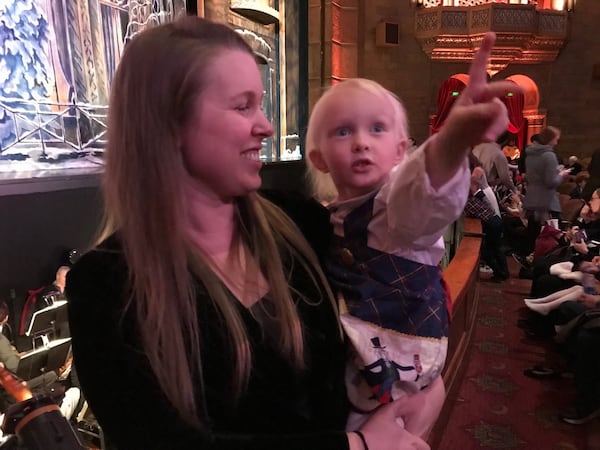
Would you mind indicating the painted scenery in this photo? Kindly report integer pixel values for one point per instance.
(57, 59)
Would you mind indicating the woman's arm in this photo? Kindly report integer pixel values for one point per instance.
(417, 213)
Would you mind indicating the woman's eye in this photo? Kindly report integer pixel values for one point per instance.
(243, 108)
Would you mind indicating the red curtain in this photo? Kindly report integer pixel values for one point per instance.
(446, 97)
(514, 104)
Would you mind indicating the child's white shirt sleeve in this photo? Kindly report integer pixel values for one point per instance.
(410, 216)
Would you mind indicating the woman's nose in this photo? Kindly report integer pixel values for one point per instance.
(263, 126)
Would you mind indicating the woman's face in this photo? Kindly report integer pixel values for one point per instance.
(221, 142)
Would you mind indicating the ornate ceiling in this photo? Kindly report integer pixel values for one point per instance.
(525, 35)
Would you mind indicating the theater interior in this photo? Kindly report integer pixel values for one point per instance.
(53, 116)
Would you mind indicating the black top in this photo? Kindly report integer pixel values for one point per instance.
(281, 408)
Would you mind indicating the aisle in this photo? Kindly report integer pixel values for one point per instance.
(496, 406)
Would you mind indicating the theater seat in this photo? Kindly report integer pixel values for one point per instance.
(570, 208)
(566, 187)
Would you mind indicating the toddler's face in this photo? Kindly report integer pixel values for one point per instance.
(359, 143)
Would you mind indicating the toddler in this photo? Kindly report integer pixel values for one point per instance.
(389, 214)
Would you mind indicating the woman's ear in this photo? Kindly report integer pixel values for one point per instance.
(316, 158)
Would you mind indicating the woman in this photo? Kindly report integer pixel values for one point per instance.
(203, 321)
(543, 178)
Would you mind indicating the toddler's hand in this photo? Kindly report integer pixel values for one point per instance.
(477, 116)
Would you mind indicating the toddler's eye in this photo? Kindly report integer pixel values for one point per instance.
(378, 128)
(344, 131)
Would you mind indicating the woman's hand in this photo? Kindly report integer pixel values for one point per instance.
(570, 233)
(423, 408)
(382, 431)
(580, 247)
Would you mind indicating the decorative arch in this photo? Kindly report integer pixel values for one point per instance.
(536, 118)
(447, 95)
(526, 117)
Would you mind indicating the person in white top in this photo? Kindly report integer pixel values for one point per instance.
(389, 214)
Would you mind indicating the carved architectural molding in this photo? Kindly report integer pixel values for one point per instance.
(524, 34)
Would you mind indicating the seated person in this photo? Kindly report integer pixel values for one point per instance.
(42, 298)
(584, 343)
(580, 181)
(574, 165)
(56, 290)
(564, 270)
(574, 245)
(479, 207)
(10, 358)
(5, 328)
(577, 250)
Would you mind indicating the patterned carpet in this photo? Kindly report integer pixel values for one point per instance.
(496, 405)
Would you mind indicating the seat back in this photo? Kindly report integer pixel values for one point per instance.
(570, 208)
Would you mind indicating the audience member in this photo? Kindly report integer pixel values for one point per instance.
(509, 148)
(204, 316)
(573, 165)
(593, 169)
(42, 298)
(45, 383)
(580, 181)
(494, 163)
(564, 270)
(58, 285)
(523, 156)
(5, 328)
(482, 182)
(543, 178)
(492, 226)
(582, 344)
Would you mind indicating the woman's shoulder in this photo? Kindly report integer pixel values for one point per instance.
(100, 273)
(104, 256)
(309, 215)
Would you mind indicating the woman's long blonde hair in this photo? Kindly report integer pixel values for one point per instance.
(161, 74)
(321, 184)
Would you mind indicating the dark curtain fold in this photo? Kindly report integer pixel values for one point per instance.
(517, 126)
(447, 95)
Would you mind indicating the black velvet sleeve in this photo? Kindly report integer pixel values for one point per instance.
(124, 396)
